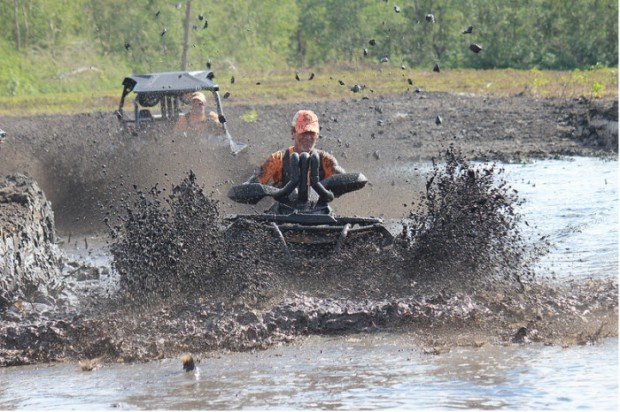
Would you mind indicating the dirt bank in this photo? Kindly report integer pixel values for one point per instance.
(85, 162)
(30, 260)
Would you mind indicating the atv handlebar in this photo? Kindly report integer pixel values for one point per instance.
(303, 174)
(338, 185)
(324, 194)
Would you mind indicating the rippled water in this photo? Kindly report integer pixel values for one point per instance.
(574, 202)
(360, 372)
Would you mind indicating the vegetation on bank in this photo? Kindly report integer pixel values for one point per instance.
(60, 46)
(66, 56)
(282, 87)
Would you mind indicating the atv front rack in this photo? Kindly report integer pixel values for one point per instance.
(310, 219)
(316, 229)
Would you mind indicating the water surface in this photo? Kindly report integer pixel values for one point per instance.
(355, 372)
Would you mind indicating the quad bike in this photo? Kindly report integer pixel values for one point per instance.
(302, 215)
(159, 97)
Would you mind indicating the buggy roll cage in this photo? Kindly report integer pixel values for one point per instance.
(165, 89)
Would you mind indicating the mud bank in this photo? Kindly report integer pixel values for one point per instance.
(38, 284)
(583, 315)
(599, 128)
(30, 261)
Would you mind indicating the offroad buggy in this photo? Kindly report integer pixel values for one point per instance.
(302, 215)
(159, 97)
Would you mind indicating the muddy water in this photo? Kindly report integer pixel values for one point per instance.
(574, 203)
(359, 372)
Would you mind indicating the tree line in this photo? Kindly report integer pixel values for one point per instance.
(49, 39)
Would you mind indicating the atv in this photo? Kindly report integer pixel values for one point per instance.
(301, 214)
(164, 93)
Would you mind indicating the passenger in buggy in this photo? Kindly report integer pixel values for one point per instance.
(197, 120)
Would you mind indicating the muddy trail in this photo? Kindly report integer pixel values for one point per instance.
(85, 162)
(459, 272)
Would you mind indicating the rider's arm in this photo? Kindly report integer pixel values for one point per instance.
(270, 171)
(330, 165)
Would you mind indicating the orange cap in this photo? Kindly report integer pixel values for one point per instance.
(199, 96)
(306, 121)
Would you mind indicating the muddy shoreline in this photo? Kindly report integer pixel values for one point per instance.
(438, 323)
(88, 168)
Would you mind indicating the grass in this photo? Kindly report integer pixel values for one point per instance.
(281, 87)
(60, 103)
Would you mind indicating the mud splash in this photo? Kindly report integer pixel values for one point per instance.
(166, 248)
(460, 266)
(467, 231)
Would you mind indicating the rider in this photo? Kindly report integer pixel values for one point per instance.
(305, 133)
(197, 119)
